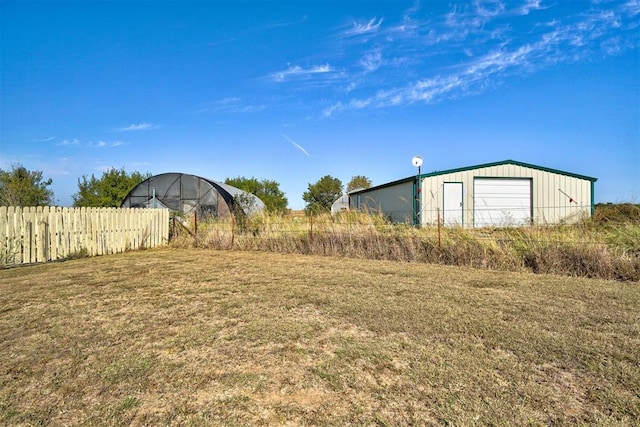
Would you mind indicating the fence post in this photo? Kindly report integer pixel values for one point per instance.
(439, 238)
(30, 219)
(6, 239)
(311, 227)
(43, 233)
(195, 224)
(16, 231)
(233, 229)
(53, 238)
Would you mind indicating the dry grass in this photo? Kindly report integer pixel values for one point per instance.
(596, 249)
(202, 337)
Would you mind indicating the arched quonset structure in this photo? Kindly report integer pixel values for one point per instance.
(190, 194)
(340, 205)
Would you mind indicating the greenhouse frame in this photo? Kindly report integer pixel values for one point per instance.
(186, 195)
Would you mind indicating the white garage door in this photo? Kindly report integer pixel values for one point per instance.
(502, 201)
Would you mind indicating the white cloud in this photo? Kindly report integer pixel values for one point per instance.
(488, 10)
(500, 60)
(528, 7)
(359, 28)
(424, 58)
(329, 111)
(230, 100)
(295, 144)
(297, 71)
(69, 142)
(371, 61)
(320, 69)
(632, 7)
(490, 51)
(106, 144)
(231, 105)
(75, 142)
(49, 139)
(138, 126)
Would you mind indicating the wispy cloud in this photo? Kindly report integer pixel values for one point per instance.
(105, 144)
(488, 50)
(632, 7)
(280, 24)
(371, 61)
(296, 71)
(529, 6)
(69, 142)
(49, 139)
(138, 126)
(295, 144)
(259, 29)
(75, 142)
(230, 105)
(367, 27)
(487, 10)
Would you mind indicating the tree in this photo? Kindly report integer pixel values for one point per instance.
(358, 181)
(266, 190)
(22, 187)
(321, 195)
(108, 191)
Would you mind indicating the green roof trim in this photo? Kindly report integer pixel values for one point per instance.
(484, 165)
(388, 184)
(510, 162)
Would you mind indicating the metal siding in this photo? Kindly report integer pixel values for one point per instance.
(548, 204)
(394, 202)
(541, 197)
(430, 199)
(551, 206)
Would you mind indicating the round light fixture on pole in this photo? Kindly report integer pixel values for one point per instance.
(416, 161)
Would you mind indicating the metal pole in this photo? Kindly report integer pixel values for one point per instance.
(439, 239)
(418, 194)
(417, 162)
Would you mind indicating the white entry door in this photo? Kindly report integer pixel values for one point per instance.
(452, 206)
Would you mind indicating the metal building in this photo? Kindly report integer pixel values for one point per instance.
(190, 194)
(506, 193)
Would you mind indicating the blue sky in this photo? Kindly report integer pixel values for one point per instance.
(293, 91)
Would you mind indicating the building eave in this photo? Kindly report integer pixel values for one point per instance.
(468, 168)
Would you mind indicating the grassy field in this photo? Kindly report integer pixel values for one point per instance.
(604, 247)
(205, 337)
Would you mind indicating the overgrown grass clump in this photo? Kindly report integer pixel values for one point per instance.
(595, 248)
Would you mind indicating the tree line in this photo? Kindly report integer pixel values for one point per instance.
(22, 187)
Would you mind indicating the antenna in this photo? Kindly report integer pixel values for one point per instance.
(416, 161)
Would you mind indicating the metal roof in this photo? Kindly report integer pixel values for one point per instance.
(468, 168)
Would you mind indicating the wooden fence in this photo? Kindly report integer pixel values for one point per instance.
(41, 234)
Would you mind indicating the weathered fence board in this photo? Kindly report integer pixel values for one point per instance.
(41, 234)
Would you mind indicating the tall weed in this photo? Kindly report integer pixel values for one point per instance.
(589, 249)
